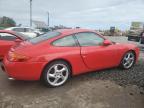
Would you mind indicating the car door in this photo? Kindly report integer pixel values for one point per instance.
(95, 55)
(68, 49)
(6, 41)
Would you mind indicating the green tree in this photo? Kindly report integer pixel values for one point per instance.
(7, 22)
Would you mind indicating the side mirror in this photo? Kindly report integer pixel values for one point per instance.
(107, 42)
(18, 40)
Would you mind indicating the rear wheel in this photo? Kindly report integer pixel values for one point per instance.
(56, 74)
(128, 60)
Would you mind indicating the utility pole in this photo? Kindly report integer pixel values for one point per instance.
(30, 13)
(48, 19)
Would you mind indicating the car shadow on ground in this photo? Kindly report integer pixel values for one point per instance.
(116, 75)
(36, 89)
(74, 81)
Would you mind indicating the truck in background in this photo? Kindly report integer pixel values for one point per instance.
(135, 31)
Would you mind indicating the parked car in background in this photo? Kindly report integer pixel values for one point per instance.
(56, 56)
(142, 40)
(134, 35)
(25, 30)
(39, 32)
(135, 30)
(142, 37)
(8, 39)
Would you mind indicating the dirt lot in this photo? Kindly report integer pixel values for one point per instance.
(112, 88)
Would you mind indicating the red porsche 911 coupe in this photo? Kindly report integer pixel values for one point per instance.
(56, 56)
(8, 39)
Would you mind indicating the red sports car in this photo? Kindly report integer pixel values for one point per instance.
(56, 56)
(8, 39)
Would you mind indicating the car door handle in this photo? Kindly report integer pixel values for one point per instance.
(84, 56)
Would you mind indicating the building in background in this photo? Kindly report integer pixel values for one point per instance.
(39, 24)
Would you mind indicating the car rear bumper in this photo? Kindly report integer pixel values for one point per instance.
(23, 70)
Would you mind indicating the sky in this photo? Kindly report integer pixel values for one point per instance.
(94, 14)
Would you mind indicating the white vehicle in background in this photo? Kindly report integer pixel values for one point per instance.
(38, 31)
(25, 30)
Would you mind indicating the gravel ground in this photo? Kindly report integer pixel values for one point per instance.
(134, 76)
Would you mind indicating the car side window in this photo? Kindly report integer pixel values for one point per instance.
(89, 39)
(27, 30)
(19, 29)
(31, 30)
(7, 36)
(67, 41)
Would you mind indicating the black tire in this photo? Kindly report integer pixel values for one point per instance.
(137, 39)
(141, 41)
(122, 66)
(129, 38)
(44, 78)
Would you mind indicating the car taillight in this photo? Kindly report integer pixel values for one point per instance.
(15, 57)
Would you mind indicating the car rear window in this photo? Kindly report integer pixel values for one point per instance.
(44, 37)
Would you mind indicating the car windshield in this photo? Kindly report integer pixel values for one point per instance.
(44, 37)
(24, 37)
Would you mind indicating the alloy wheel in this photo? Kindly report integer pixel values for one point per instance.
(128, 60)
(57, 74)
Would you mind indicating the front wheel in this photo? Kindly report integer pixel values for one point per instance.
(128, 60)
(56, 74)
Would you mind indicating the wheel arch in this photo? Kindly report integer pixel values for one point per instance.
(59, 59)
(130, 50)
(133, 51)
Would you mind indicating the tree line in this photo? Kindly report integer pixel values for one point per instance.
(6, 22)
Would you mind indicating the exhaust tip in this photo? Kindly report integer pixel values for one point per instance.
(12, 79)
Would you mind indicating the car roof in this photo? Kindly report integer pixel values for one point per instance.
(73, 31)
(7, 31)
(10, 28)
(17, 34)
